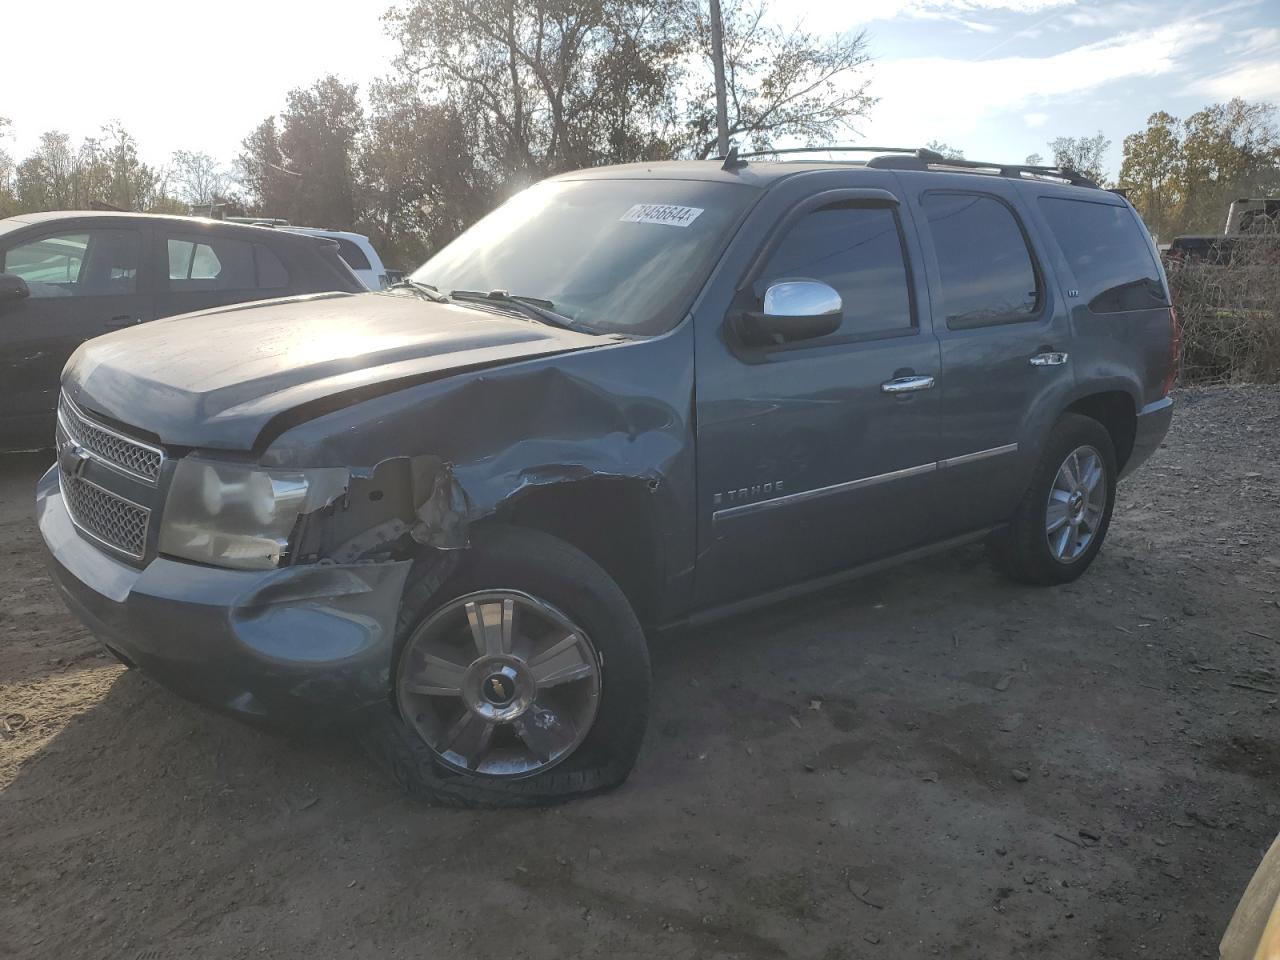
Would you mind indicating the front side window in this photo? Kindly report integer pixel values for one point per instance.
(1108, 253)
(612, 255)
(858, 251)
(97, 262)
(985, 268)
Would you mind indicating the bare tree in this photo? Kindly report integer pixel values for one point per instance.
(782, 81)
(948, 151)
(196, 178)
(1086, 155)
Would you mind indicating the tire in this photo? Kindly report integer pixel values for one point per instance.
(1024, 552)
(566, 582)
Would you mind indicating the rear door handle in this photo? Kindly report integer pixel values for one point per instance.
(907, 384)
(123, 320)
(1050, 359)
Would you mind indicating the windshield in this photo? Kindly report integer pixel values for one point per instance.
(617, 256)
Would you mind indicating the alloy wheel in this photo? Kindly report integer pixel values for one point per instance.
(499, 683)
(1076, 505)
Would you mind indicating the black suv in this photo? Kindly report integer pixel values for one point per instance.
(630, 398)
(69, 276)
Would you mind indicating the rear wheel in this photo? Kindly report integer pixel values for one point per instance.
(522, 680)
(1063, 517)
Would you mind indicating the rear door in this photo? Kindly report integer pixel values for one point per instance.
(806, 464)
(1005, 336)
(85, 280)
(202, 268)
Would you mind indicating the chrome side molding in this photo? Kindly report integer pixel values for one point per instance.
(746, 509)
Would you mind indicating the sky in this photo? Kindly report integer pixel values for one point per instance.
(995, 78)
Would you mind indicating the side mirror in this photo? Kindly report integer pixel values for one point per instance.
(794, 310)
(13, 287)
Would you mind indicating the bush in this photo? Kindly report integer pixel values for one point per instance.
(1230, 313)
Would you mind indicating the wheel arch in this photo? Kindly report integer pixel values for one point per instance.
(612, 520)
(1117, 410)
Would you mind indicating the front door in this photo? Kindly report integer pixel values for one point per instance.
(818, 455)
(84, 282)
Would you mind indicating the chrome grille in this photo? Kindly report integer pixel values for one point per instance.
(104, 516)
(101, 442)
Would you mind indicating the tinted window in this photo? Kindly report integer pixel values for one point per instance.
(85, 263)
(271, 272)
(352, 254)
(986, 270)
(856, 250)
(219, 263)
(1108, 253)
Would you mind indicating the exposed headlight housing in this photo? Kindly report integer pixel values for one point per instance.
(240, 515)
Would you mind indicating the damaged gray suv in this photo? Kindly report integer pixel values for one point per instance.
(630, 398)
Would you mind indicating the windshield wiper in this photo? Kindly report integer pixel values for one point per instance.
(425, 289)
(535, 308)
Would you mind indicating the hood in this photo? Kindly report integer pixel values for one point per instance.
(218, 377)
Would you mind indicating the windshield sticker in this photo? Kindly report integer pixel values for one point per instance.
(665, 213)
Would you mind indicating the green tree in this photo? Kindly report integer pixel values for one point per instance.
(302, 167)
(1229, 150)
(1084, 155)
(1151, 173)
(547, 87)
(419, 183)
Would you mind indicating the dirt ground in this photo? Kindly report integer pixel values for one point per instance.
(928, 763)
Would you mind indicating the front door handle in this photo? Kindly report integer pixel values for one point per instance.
(907, 384)
(121, 321)
(1050, 359)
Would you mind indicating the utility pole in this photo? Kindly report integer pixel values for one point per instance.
(717, 60)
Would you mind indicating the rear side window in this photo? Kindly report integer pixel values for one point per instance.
(217, 263)
(271, 272)
(858, 251)
(352, 254)
(1108, 253)
(986, 271)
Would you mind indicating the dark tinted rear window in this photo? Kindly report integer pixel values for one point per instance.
(351, 253)
(985, 268)
(856, 250)
(1108, 253)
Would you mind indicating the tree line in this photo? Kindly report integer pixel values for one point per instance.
(488, 96)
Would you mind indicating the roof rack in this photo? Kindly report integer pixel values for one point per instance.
(734, 154)
(922, 158)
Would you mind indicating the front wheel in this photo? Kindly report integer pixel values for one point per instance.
(522, 680)
(1063, 517)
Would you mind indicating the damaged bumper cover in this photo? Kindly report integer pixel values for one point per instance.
(313, 641)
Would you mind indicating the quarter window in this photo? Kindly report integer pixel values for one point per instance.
(98, 262)
(219, 263)
(1108, 253)
(984, 266)
(858, 251)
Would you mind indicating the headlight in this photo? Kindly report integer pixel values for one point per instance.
(240, 515)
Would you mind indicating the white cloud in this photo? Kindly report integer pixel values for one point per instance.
(1254, 80)
(937, 97)
(1035, 119)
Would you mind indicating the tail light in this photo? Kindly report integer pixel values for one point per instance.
(1175, 352)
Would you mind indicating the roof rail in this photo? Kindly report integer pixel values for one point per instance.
(921, 158)
(733, 151)
(930, 159)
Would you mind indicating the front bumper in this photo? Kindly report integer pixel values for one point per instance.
(302, 643)
(1153, 424)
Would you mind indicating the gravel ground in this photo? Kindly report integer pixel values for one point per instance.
(931, 762)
